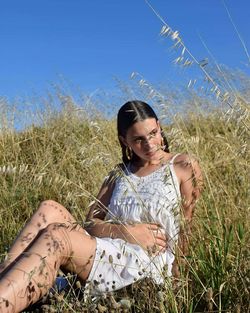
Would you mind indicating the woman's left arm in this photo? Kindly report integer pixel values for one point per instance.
(190, 178)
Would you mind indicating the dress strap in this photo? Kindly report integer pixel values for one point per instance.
(173, 158)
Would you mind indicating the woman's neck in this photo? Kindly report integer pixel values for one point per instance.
(140, 163)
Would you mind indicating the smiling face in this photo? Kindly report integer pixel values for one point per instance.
(144, 137)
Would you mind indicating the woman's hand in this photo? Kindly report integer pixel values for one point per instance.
(151, 237)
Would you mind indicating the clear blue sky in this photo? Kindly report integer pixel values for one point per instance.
(89, 42)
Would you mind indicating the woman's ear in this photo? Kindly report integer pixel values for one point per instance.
(123, 140)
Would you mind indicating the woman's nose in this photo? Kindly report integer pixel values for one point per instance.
(148, 141)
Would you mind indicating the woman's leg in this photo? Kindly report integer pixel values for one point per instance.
(47, 213)
(34, 271)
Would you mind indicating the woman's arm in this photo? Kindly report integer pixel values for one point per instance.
(190, 177)
(95, 223)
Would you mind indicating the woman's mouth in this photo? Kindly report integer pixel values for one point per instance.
(150, 153)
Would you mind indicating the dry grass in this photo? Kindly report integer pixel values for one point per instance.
(66, 158)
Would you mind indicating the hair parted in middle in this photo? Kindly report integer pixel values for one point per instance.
(130, 113)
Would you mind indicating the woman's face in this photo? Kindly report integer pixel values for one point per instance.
(145, 139)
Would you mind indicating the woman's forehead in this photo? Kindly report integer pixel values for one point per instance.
(142, 127)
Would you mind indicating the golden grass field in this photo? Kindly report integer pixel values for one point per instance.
(66, 157)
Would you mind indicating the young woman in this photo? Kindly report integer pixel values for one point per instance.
(133, 228)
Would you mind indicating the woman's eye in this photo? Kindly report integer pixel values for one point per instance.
(138, 140)
(154, 132)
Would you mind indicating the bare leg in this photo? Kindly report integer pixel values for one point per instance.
(34, 271)
(47, 213)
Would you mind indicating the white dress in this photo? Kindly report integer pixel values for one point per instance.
(153, 198)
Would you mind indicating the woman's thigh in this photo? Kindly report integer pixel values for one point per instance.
(81, 251)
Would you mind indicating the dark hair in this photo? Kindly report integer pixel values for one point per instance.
(130, 113)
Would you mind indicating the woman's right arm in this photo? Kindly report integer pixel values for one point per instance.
(95, 221)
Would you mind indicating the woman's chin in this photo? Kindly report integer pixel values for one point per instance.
(153, 156)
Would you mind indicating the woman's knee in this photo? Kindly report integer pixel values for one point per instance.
(51, 204)
(51, 212)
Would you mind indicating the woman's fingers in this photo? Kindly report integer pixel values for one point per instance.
(160, 233)
(157, 229)
(160, 237)
(151, 237)
(153, 226)
(157, 246)
(161, 243)
(156, 249)
(161, 240)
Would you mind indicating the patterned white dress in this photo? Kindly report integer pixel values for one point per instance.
(153, 198)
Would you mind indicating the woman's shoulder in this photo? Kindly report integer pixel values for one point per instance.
(185, 164)
(187, 167)
(117, 171)
(184, 160)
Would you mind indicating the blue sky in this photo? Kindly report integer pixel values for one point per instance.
(89, 42)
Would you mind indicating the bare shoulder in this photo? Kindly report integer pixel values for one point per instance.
(116, 172)
(98, 207)
(187, 168)
(109, 181)
(189, 173)
(185, 160)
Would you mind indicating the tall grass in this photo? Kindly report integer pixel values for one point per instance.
(66, 158)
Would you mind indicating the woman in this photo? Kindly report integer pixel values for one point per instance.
(132, 229)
